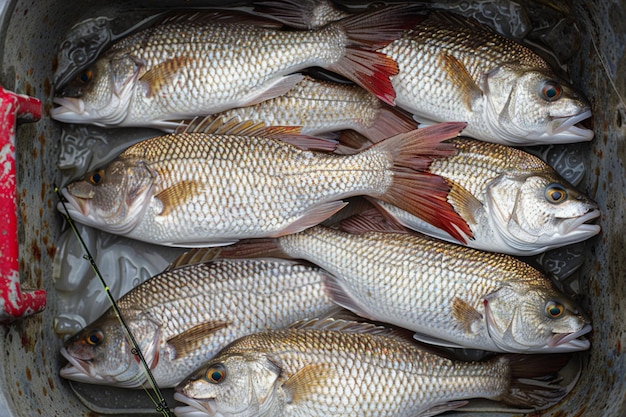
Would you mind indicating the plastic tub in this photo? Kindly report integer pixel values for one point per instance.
(31, 33)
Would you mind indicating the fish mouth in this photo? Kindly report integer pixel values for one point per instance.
(570, 342)
(567, 129)
(70, 110)
(195, 408)
(581, 225)
(77, 369)
(79, 205)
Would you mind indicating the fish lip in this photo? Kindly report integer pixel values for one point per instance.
(566, 131)
(570, 341)
(69, 109)
(76, 369)
(581, 224)
(78, 204)
(195, 408)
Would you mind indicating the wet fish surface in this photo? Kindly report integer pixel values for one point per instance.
(196, 189)
(513, 202)
(183, 316)
(354, 371)
(204, 63)
(453, 68)
(320, 107)
(449, 295)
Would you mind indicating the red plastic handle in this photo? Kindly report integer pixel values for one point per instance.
(13, 302)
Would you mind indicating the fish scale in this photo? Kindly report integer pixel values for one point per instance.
(311, 369)
(247, 295)
(392, 273)
(449, 295)
(453, 68)
(504, 194)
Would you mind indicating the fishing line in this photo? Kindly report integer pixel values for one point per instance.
(159, 402)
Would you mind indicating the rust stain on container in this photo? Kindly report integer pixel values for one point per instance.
(30, 91)
(47, 87)
(55, 63)
(29, 375)
(44, 391)
(618, 347)
(51, 383)
(42, 139)
(36, 250)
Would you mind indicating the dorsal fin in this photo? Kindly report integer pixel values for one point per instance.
(194, 257)
(237, 127)
(220, 16)
(341, 325)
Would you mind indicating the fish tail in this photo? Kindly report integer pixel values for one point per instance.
(421, 193)
(254, 248)
(366, 33)
(534, 380)
(390, 121)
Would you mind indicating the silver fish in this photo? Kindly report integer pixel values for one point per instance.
(449, 295)
(451, 68)
(321, 107)
(183, 316)
(205, 63)
(347, 369)
(513, 202)
(207, 189)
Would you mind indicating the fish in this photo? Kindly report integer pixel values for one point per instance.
(321, 107)
(182, 317)
(245, 180)
(204, 63)
(453, 68)
(448, 295)
(337, 368)
(513, 202)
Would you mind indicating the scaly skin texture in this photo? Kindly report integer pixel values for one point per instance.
(238, 296)
(451, 68)
(439, 289)
(301, 372)
(218, 188)
(321, 107)
(517, 214)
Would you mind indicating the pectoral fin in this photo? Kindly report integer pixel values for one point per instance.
(178, 195)
(465, 314)
(312, 217)
(191, 339)
(308, 381)
(461, 78)
(431, 340)
(164, 73)
(464, 202)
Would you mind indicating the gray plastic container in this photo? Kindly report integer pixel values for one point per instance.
(31, 32)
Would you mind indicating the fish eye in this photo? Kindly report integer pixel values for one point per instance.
(94, 338)
(216, 374)
(96, 177)
(554, 310)
(551, 91)
(86, 76)
(556, 193)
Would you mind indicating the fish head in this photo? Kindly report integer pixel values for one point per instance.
(112, 199)
(534, 212)
(102, 354)
(531, 318)
(532, 107)
(100, 95)
(237, 384)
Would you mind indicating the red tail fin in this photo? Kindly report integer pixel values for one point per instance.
(420, 193)
(368, 32)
